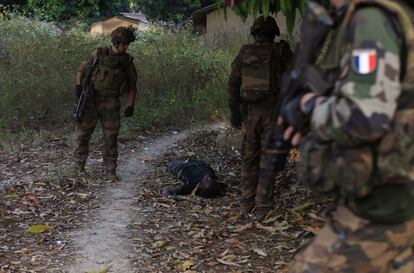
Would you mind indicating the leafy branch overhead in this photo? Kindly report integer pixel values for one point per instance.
(244, 8)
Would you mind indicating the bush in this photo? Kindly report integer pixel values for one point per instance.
(38, 72)
(181, 76)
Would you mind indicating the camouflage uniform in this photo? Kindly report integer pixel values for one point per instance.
(352, 244)
(105, 104)
(253, 90)
(362, 144)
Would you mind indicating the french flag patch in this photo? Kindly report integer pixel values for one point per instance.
(364, 61)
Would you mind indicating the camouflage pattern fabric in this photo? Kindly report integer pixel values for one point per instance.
(105, 109)
(363, 104)
(367, 122)
(111, 75)
(257, 110)
(266, 100)
(364, 121)
(351, 244)
(256, 72)
(257, 183)
(111, 60)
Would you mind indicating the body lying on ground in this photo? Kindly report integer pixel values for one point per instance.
(196, 177)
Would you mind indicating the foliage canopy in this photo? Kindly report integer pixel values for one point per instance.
(254, 7)
(62, 10)
(174, 11)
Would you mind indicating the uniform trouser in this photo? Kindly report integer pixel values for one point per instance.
(350, 244)
(106, 109)
(257, 182)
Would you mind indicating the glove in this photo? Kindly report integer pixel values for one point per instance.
(78, 91)
(236, 121)
(294, 116)
(129, 111)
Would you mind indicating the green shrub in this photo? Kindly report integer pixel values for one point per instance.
(182, 77)
(37, 73)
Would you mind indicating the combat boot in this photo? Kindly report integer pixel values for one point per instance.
(111, 176)
(245, 209)
(80, 167)
(260, 214)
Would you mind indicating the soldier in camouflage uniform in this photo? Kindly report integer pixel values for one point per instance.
(253, 90)
(361, 144)
(114, 74)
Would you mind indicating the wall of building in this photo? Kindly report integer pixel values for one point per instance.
(217, 25)
(108, 25)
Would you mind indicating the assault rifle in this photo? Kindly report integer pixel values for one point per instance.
(87, 88)
(302, 78)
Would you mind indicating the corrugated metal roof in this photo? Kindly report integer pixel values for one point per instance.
(129, 15)
(135, 15)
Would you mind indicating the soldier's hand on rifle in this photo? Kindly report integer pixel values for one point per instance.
(296, 113)
(290, 134)
(129, 111)
(293, 114)
(236, 121)
(78, 91)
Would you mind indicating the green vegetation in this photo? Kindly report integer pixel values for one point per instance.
(69, 10)
(85, 11)
(289, 8)
(182, 77)
(169, 11)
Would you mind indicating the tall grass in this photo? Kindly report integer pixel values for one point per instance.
(181, 76)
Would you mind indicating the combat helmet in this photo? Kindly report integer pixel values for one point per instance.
(267, 25)
(124, 35)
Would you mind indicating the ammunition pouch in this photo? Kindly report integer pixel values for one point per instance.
(110, 77)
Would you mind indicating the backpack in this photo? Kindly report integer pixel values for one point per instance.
(257, 71)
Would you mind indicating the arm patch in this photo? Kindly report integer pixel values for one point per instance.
(364, 61)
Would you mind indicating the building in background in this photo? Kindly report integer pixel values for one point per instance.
(107, 25)
(211, 21)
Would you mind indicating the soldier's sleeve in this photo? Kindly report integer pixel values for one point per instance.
(132, 76)
(365, 96)
(132, 83)
(287, 56)
(234, 84)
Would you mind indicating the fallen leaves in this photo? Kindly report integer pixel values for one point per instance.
(102, 270)
(8, 196)
(228, 262)
(202, 231)
(192, 235)
(259, 251)
(39, 199)
(241, 228)
(37, 229)
(160, 244)
(185, 265)
(279, 227)
(313, 230)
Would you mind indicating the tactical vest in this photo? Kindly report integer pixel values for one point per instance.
(356, 171)
(110, 75)
(256, 80)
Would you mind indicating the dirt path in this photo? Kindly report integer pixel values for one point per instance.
(103, 243)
